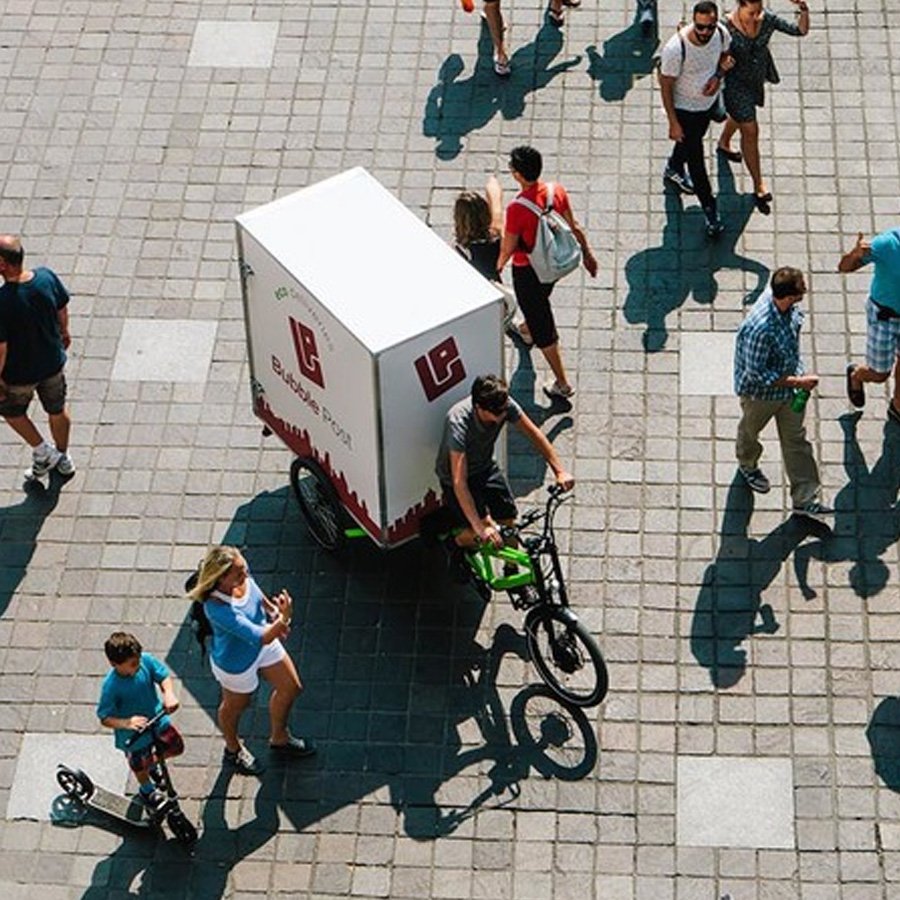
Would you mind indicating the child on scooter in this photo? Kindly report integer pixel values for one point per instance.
(129, 699)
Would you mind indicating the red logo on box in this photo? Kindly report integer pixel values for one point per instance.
(307, 352)
(440, 369)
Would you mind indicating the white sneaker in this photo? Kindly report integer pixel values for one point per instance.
(42, 463)
(65, 466)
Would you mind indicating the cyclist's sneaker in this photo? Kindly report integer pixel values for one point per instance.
(525, 597)
(680, 180)
(65, 466)
(756, 480)
(242, 761)
(43, 459)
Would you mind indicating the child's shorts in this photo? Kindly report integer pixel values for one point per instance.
(169, 741)
(247, 682)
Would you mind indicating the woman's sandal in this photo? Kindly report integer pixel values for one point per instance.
(556, 18)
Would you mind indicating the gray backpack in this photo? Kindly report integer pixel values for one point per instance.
(556, 252)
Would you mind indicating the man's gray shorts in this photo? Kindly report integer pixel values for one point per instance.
(51, 392)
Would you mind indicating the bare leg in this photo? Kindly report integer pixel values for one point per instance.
(60, 424)
(230, 709)
(554, 360)
(286, 687)
(494, 18)
(727, 134)
(750, 149)
(25, 428)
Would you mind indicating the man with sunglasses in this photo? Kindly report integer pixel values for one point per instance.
(767, 372)
(692, 66)
(475, 489)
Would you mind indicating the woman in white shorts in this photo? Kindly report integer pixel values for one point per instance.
(246, 630)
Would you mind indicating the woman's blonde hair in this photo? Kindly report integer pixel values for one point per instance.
(471, 218)
(216, 563)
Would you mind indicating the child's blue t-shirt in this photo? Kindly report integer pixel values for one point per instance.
(122, 697)
(238, 627)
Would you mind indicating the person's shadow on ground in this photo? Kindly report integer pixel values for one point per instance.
(729, 606)
(660, 279)
(627, 56)
(883, 735)
(20, 526)
(867, 515)
(456, 107)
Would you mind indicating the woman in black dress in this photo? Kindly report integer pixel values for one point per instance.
(751, 27)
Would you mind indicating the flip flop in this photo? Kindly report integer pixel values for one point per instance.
(857, 396)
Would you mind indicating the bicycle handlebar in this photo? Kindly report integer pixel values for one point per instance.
(149, 725)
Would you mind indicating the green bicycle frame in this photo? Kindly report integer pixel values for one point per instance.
(480, 561)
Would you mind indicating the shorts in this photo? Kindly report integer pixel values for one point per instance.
(247, 682)
(491, 493)
(169, 740)
(882, 340)
(534, 301)
(51, 392)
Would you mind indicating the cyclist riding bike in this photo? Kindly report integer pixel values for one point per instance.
(475, 489)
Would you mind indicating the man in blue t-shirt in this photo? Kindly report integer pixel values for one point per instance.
(882, 317)
(34, 335)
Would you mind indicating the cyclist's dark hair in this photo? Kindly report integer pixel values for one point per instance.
(490, 392)
(787, 282)
(121, 646)
(706, 8)
(527, 162)
(12, 252)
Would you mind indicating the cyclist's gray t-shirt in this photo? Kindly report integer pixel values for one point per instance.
(465, 433)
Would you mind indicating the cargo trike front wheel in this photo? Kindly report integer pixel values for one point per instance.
(319, 503)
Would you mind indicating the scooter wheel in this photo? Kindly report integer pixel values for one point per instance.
(182, 827)
(75, 783)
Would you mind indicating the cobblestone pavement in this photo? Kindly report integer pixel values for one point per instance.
(761, 764)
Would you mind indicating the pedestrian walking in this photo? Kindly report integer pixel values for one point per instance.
(34, 337)
(882, 317)
(692, 66)
(247, 628)
(751, 27)
(519, 236)
(770, 379)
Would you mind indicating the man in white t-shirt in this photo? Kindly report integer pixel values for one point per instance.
(692, 66)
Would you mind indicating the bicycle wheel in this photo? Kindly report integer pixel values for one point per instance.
(566, 656)
(75, 783)
(319, 503)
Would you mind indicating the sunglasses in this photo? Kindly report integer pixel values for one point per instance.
(704, 28)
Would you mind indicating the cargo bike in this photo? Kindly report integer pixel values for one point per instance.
(358, 348)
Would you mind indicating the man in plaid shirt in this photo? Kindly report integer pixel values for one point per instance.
(767, 372)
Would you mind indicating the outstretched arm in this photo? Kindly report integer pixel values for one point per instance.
(545, 448)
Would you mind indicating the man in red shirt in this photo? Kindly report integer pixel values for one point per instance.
(519, 234)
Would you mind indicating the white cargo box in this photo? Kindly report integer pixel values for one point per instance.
(364, 327)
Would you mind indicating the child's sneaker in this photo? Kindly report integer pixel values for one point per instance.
(154, 800)
(242, 761)
(43, 459)
(65, 466)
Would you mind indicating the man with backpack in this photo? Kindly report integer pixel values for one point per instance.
(544, 242)
(692, 66)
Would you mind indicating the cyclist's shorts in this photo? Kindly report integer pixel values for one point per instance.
(169, 740)
(491, 493)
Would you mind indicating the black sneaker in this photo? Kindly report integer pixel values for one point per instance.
(755, 479)
(814, 510)
(242, 761)
(155, 800)
(679, 180)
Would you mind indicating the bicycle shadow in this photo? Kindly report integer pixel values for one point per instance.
(528, 469)
(455, 107)
(729, 606)
(883, 735)
(867, 515)
(20, 525)
(627, 57)
(660, 279)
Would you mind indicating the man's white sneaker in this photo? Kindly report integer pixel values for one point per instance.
(65, 466)
(42, 463)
